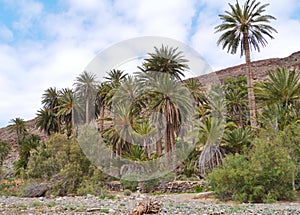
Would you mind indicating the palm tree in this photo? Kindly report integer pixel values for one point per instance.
(121, 133)
(279, 96)
(50, 102)
(115, 77)
(19, 126)
(145, 137)
(211, 128)
(210, 132)
(66, 109)
(46, 120)
(4, 151)
(245, 27)
(173, 101)
(197, 91)
(236, 139)
(85, 86)
(101, 102)
(105, 93)
(236, 99)
(166, 60)
(282, 87)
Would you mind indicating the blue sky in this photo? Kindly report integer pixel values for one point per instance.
(48, 43)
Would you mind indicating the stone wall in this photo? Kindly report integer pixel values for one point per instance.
(175, 187)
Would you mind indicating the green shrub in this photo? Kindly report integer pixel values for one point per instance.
(198, 189)
(61, 161)
(130, 182)
(4, 150)
(92, 183)
(127, 192)
(149, 185)
(265, 174)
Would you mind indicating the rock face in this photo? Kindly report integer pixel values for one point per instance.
(11, 137)
(260, 69)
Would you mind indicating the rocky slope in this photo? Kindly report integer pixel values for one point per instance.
(11, 137)
(260, 69)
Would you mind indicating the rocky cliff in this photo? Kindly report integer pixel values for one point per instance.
(260, 69)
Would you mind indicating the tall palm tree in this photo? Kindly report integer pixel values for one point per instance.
(19, 126)
(245, 27)
(102, 98)
(50, 103)
(67, 104)
(85, 86)
(166, 60)
(173, 101)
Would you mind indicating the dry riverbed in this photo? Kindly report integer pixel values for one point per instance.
(184, 204)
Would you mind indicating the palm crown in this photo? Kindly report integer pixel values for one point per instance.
(245, 23)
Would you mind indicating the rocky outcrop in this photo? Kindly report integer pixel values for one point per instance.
(11, 137)
(260, 69)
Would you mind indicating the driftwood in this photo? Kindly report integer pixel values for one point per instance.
(147, 207)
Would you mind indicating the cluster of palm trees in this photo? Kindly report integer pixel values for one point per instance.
(56, 116)
(152, 112)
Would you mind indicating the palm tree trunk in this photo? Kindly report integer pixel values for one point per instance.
(73, 121)
(119, 149)
(18, 143)
(102, 112)
(251, 97)
(159, 147)
(173, 146)
(172, 138)
(87, 110)
(167, 139)
(58, 124)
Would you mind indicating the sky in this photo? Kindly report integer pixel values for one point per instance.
(48, 43)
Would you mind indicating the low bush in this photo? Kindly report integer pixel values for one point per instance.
(62, 162)
(264, 174)
(127, 192)
(130, 182)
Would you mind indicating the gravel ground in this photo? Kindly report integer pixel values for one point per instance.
(184, 204)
